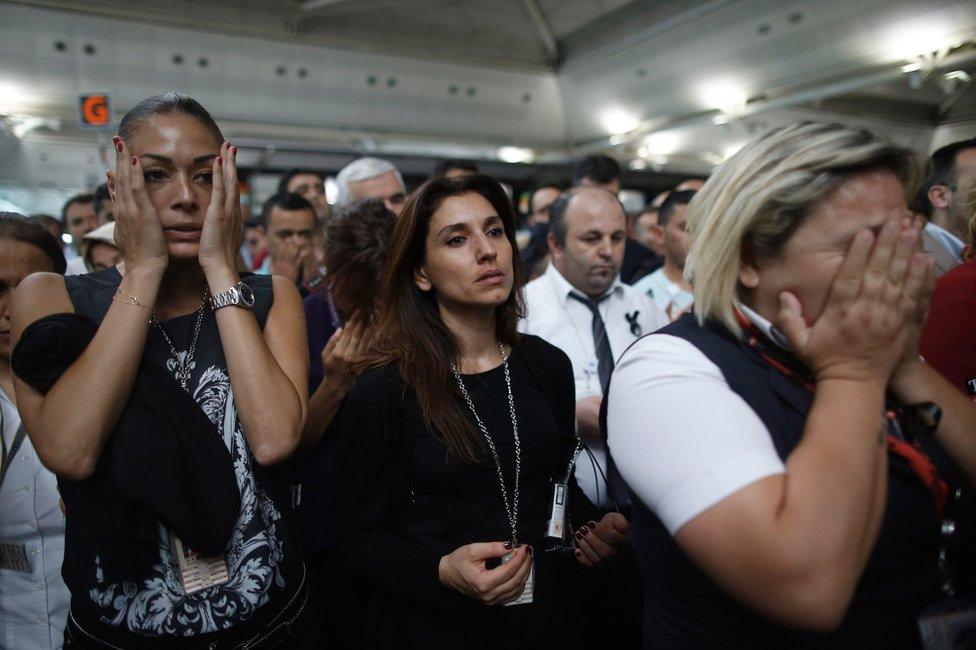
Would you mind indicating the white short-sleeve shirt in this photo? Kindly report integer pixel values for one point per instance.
(681, 437)
(33, 603)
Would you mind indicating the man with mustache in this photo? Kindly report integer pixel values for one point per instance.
(581, 306)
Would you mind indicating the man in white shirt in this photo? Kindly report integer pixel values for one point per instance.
(33, 597)
(667, 286)
(580, 305)
(944, 196)
(371, 178)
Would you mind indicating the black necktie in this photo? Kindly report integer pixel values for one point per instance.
(604, 358)
(601, 342)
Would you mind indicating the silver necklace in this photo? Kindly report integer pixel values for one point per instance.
(511, 508)
(185, 365)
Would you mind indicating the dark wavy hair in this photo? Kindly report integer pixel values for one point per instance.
(412, 333)
(358, 248)
(17, 227)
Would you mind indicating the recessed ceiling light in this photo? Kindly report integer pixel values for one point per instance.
(515, 154)
(618, 121)
(958, 75)
(662, 143)
(724, 94)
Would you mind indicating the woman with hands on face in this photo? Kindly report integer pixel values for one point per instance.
(452, 438)
(786, 493)
(228, 349)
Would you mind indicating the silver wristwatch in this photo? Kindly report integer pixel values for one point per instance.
(239, 295)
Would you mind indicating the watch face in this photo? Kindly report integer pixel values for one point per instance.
(247, 296)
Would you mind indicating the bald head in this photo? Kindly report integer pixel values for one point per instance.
(588, 230)
(693, 184)
(582, 202)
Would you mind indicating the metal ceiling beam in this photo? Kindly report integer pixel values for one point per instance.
(790, 98)
(312, 5)
(546, 34)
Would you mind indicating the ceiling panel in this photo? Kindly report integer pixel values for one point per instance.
(463, 77)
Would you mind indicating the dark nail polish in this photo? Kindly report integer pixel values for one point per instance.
(584, 530)
(220, 160)
(592, 524)
(577, 553)
(508, 546)
(134, 161)
(118, 146)
(233, 150)
(579, 535)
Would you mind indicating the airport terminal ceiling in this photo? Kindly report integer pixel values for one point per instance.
(669, 87)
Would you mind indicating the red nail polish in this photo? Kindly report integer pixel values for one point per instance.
(134, 161)
(508, 546)
(233, 150)
(592, 524)
(220, 160)
(118, 146)
(584, 530)
(579, 535)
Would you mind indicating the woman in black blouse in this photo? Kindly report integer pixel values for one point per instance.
(186, 384)
(454, 439)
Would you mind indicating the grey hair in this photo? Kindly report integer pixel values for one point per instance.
(757, 199)
(362, 169)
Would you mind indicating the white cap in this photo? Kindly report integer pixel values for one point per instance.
(105, 233)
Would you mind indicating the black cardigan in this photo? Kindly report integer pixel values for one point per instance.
(376, 483)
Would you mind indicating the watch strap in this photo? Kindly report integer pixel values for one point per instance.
(232, 296)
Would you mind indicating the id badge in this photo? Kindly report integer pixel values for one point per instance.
(198, 572)
(13, 557)
(525, 598)
(556, 527)
(591, 369)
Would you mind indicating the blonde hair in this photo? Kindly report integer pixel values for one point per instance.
(756, 200)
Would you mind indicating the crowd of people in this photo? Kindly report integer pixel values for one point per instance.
(740, 418)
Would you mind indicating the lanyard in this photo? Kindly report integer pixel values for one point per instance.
(908, 450)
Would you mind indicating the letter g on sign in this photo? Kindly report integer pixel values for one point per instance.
(94, 110)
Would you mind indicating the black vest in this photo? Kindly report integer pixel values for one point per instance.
(685, 609)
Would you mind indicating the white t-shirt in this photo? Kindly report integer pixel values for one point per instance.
(76, 266)
(667, 295)
(681, 437)
(34, 603)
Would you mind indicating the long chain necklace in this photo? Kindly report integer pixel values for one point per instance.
(184, 365)
(511, 507)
